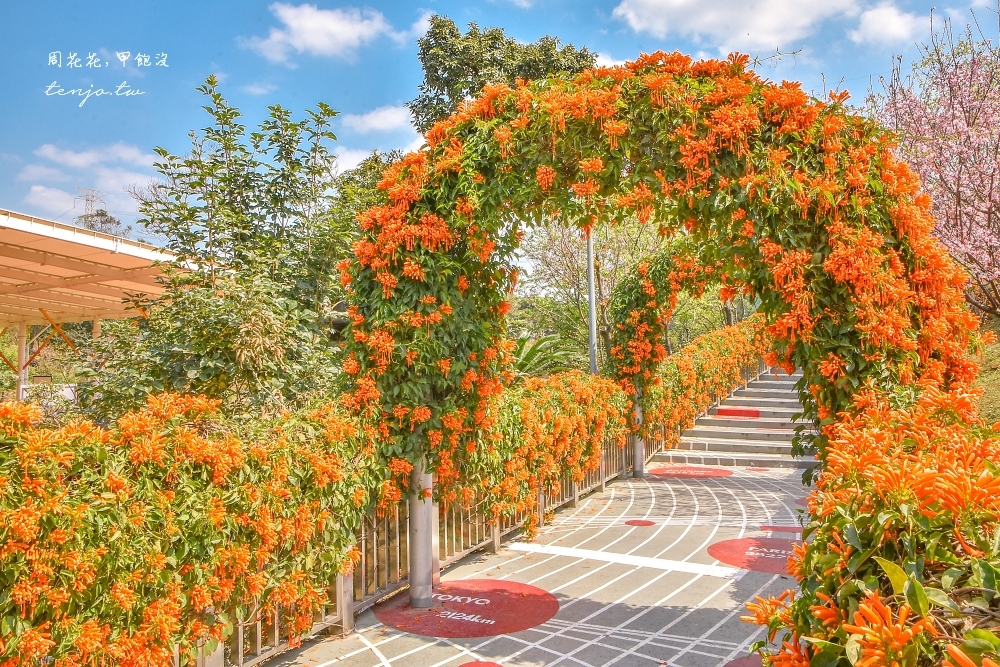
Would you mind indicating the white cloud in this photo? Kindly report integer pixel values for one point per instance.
(523, 4)
(886, 24)
(259, 88)
(319, 32)
(382, 119)
(38, 172)
(119, 152)
(117, 180)
(415, 144)
(349, 158)
(421, 25)
(52, 200)
(606, 60)
(733, 24)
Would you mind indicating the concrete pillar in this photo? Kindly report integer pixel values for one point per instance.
(423, 539)
(95, 331)
(22, 360)
(638, 445)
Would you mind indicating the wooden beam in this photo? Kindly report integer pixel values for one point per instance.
(41, 347)
(59, 330)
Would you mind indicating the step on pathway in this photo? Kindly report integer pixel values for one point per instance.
(649, 572)
(752, 428)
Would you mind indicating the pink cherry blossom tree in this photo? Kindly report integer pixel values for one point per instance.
(947, 114)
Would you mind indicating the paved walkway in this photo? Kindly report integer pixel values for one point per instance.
(628, 594)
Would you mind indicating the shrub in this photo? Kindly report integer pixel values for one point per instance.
(116, 545)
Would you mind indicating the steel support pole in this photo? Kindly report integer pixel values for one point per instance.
(423, 538)
(22, 360)
(592, 302)
(638, 444)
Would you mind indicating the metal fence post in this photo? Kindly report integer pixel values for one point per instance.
(604, 472)
(345, 602)
(495, 529)
(541, 505)
(422, 538)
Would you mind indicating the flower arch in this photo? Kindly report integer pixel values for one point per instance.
(795, 201)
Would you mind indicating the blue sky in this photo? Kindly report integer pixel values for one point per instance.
(361, 59)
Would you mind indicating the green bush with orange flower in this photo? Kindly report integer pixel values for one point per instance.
(704, 372)
(117, 545)
(902, 560)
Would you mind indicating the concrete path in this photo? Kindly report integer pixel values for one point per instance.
(628, 595)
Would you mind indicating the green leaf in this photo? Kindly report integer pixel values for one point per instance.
(984, 635)
(916, 597)
(853, 649)
(941, 599)
(897, 577)
(951, 577)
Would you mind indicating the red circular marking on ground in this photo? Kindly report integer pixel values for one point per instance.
(472, 608)
(802, 502)
(760, 554)
(689, 471)
(747, 661)
(640, 522)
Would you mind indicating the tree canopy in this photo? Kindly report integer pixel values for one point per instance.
(457, 66)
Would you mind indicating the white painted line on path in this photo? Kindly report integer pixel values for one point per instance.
(627, 559)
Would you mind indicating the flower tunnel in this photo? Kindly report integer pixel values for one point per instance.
(796, 202)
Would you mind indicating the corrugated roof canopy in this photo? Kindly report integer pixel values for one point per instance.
(72, 274)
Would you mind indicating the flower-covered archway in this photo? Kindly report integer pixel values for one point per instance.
(797, 202)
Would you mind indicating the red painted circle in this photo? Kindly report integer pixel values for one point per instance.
(472, 608)
(689, 471)
(639, 522)
(802, 502)
(760, 554)
(746, 661)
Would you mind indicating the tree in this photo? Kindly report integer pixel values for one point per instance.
(457, 66)
(946, 112)
(259, 221)
(103, 222)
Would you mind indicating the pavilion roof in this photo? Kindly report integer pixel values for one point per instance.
(58, 272)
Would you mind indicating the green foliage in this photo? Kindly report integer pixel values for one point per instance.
(241, 341)
(552, 297)
(259, 221)
(103, 222)
(457, 66)
(542, 356)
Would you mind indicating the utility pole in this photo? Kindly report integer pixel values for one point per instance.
(90, 200)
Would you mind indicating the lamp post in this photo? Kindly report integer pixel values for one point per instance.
(592, 302)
